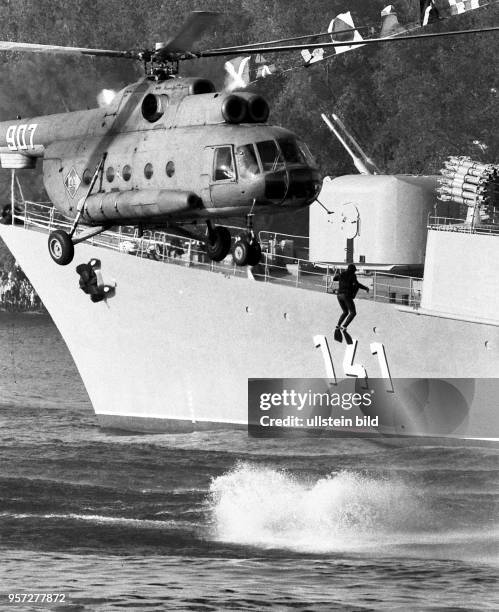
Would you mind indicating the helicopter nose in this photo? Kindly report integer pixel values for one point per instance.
(276, 186)
(302, 187)
(305, 184)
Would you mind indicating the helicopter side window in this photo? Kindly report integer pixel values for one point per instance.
(247, 161)
(270, 156)
(223, 169)
(110, 174)
(126, 172)
(87, 176)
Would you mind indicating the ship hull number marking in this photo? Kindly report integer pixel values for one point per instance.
(20, 137)
(350, 368)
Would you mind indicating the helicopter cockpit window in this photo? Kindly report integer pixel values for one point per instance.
(270, 156)
(247, 161)
(223, 169)
(291, 152)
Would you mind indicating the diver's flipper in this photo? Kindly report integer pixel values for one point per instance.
(348, 337)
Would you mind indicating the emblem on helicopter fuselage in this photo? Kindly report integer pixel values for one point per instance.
(72, 182)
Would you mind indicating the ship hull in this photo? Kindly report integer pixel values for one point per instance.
(174, 347)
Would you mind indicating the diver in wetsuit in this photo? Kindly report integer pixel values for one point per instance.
(347, 290)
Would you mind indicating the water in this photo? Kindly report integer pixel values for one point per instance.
(218, 521)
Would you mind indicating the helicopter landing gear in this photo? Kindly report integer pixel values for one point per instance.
(255, 254)
(61, 244)
(61, 247)
(218, 242)
(247, 251)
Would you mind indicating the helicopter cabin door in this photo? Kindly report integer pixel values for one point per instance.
(220, 187)
(206, 172)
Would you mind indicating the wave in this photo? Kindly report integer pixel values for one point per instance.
(94, 518)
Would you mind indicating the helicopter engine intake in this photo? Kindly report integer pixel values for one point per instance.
(257, 108)
(234, 109)
(153, 107)
(245, 108)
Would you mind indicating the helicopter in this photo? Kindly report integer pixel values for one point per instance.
(166, 152)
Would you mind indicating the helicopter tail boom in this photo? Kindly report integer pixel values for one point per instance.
(31, 136)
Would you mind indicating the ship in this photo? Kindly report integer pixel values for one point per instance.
(174, 340)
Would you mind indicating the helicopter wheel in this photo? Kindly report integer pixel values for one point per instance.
(218, 246)
(255, 254)
(61, 247)
(246, 253)
(242, 252)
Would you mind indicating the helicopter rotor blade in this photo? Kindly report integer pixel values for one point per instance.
(310, 37)
(194, 27)
(366, 41)
(55, 49)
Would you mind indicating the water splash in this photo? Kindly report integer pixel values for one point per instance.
(261, 506)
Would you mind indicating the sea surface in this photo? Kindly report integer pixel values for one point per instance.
(220, 521)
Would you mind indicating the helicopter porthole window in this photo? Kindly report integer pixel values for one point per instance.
(126, 173)
(148, 171)
(87, 177)
(170, 169)
(110, 174)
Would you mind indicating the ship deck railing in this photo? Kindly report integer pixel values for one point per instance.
(450, 224)
(281, 264)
